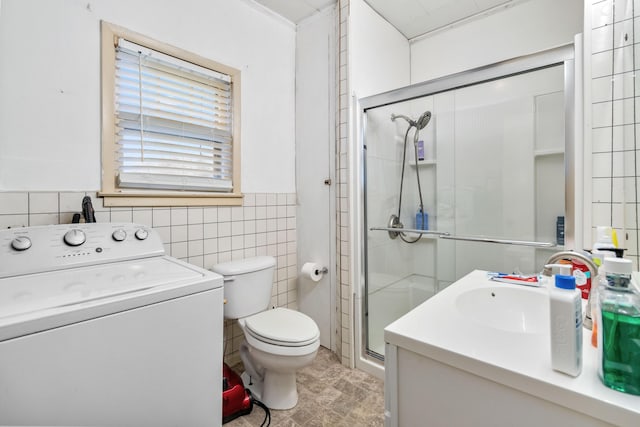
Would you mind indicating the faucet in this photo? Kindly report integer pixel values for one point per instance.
(593, 269)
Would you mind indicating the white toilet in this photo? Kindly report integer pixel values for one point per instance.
(277, 342)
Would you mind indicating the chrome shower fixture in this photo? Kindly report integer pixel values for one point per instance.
(420, 123)
(423, 120)
(394, 222)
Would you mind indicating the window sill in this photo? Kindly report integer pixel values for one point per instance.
(150, 199)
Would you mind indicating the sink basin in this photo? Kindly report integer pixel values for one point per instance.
(507, 308)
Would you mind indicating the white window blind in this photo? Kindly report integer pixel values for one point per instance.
(173, 123)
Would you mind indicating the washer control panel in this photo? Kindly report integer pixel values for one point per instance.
(27, 250)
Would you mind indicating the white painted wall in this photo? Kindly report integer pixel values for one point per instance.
(378, 53)
(315, 162)
(526, 28)
(50, 84)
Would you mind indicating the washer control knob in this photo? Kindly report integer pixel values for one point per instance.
(119, 235)
(21, 243)
(141, 234)
(74, 237)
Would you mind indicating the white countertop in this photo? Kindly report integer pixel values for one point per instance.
(438, 330)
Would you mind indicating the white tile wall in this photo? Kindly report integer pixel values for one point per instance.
(344, 322)
(203, 236)
(615, 101)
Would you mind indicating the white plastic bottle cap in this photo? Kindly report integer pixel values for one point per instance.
(618, 266)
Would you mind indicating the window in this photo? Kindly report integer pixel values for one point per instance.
(170, 125)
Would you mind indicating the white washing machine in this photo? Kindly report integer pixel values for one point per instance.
(98, 327)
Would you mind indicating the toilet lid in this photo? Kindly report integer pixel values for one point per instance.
(247, 265)
(282, 326)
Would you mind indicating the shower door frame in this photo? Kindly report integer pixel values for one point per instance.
(565, 55)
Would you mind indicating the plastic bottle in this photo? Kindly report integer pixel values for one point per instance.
(422, 220)
(565, 309)
(619, 332)
(560, 231)
(604, 238)
(598, 259)
(420, 149)
(583, 277)
(601, 250)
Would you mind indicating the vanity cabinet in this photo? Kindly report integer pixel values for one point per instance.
(444, 367)
(421, 390)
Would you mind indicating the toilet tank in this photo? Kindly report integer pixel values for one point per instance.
(247, 285)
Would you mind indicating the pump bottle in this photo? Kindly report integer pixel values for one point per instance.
(619, 328)
(565, 310)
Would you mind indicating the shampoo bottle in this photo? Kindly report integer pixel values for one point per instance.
(565, 310)
(422, 220)
(619, 328)
(420, 150)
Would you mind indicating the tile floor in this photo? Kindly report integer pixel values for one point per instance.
(329, 395)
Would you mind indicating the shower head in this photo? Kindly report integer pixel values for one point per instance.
(423, 120)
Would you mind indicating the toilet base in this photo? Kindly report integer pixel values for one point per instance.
(277, 391)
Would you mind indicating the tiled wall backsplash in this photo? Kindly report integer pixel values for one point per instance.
(615, 62)
(203, 236)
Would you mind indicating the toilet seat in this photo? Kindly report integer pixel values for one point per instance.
(282, 326)
(281, 331)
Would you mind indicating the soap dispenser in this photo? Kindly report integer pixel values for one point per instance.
(619, 328)
(565, 310)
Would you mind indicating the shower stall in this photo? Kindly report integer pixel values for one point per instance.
(471, 171)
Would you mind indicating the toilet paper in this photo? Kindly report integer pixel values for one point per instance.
(312, 270)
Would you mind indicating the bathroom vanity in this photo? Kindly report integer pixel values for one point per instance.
(478, 354)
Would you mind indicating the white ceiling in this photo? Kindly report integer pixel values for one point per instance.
(411, 17)
(296, 10)
(416, 17)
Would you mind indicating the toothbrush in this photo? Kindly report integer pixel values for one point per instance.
(515, 279)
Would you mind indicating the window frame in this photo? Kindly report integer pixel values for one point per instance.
(110, 192)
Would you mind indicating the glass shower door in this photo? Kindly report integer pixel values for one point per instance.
(399, 275)
(492, 168)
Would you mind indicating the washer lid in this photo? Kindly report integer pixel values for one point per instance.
(246, 265)
(41, 301)
(282, 326)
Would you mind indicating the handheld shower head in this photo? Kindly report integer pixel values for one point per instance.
(423, 120)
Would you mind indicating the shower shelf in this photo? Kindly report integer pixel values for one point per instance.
(548, 152)
(424, 163)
